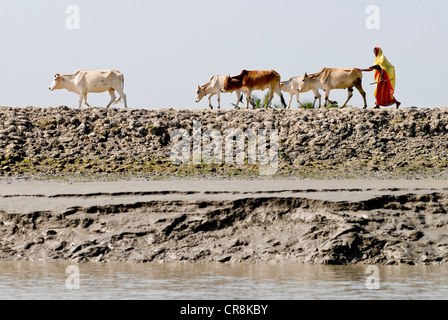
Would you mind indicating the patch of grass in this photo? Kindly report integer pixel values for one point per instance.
(47, 124)
(163, 168)
(258, 103)
(307, 105)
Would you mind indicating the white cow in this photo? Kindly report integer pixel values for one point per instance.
(97, 81)
(212, 87)
(334, 78)
(292, 86)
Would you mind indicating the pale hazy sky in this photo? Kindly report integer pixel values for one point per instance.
(166, 48)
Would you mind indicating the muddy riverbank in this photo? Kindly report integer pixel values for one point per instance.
(352, 186)
(266, 221)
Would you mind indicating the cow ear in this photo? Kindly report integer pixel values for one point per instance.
(306, 75)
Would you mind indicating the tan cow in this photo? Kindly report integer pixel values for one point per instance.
(292, 85)
(97, 81)
(331, 78)
(212, 87)
(249, 81)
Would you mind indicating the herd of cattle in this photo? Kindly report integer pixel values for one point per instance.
(83, 82)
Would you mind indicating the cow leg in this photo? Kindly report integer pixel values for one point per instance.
(282, 100)
(271, 96)
(239, 96)
(210, 100)
(219, 99)
(85, 100)
(249, 99)
(327, 94)
(122, 96)
(290, 100)
(358, 86)
(252, 102)
(350, 95)
(298, 100)
(81, 99)
(112, 97)
(316, 96)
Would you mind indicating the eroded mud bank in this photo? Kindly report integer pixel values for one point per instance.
(303, 225)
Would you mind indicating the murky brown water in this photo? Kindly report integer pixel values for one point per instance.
(170, 281)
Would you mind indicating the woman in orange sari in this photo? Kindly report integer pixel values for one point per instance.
(384, 79)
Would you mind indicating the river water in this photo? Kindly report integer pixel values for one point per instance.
(205, 281)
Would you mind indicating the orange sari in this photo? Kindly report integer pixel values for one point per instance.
(384, 92)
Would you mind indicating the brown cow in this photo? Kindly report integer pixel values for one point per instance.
(330, 78)
(249, 81)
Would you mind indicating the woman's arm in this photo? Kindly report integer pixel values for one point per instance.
(376, 67)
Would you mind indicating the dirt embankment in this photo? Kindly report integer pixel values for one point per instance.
(324, 143)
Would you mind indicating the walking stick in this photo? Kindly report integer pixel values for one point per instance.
(381, 81)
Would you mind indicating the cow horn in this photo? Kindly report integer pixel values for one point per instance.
(57, 75)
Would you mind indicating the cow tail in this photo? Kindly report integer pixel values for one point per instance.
(282, 100)
(281, 95)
